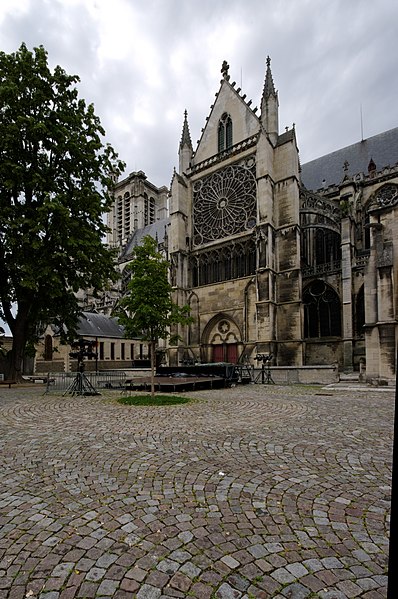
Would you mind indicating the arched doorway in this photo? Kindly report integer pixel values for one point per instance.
(222, 340)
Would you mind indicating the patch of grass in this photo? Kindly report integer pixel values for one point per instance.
(156, 400)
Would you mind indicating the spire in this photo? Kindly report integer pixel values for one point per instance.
(269, 88)
(270, 105)
(186, 150)
(186, 136)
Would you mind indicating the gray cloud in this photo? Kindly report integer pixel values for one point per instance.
(144, 63)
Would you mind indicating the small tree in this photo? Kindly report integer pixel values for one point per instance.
(148, 309)
(55, 176)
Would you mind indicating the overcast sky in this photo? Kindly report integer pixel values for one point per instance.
(143, 62)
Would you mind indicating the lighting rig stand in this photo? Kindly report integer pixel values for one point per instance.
(81, 385)
(265, 374)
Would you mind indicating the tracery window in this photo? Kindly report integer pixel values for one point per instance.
(328, 247)
(322, 311)
(385, 197)
(223, 264)
(224, 203)
(320, 239)
(225, 133)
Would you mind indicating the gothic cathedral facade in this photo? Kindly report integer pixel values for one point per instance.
(277, 258)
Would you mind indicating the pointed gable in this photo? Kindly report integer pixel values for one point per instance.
(228, 103)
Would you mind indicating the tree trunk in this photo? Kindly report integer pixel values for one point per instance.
(153, 361)
(15, 358)
(18, 327)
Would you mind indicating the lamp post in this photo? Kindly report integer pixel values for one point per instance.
(392, 568)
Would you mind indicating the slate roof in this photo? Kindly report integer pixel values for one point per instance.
(156, 230)
(99, 325)
(329, 169)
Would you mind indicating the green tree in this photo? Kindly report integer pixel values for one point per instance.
(148, 310)
(55, 178)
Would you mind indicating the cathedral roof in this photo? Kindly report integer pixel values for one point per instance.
(331, 169)
(156, 230)
(92, 324)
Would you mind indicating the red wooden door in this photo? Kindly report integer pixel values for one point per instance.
(232, 353)
(218, 353)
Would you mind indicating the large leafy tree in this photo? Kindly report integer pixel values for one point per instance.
(55, 177)
(147, 309)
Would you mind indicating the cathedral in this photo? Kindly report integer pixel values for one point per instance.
(297, 262)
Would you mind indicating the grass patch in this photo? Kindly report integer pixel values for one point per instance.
(156, 400)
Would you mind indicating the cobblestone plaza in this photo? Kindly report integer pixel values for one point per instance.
(250, 492)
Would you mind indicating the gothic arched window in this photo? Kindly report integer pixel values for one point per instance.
(360, 312)
(322, 311)
(48, 348)
(327, 246)
(225, 133)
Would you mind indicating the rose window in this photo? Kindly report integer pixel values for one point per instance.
(387, 195)
(224, 203)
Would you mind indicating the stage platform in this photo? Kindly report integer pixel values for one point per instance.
(175, 383)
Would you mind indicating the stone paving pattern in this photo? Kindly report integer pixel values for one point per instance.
(250, 492)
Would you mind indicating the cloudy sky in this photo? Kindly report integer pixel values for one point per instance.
(143, 62)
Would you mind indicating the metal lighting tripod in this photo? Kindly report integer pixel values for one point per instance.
(80, 384)
(265, 374)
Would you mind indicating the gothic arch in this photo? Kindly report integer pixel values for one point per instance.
(48, 348)
(224, 133)
(322, 310)
(222, 339)
(360, 312)
(320, 231)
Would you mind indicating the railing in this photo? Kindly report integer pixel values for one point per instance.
(61, 381)
(321, 269)
(239, 147)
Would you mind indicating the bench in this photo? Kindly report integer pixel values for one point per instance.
(9, 383)
(41, 379)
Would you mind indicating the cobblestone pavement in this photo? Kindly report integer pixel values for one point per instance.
(250, 492)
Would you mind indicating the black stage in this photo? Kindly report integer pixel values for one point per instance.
(175, 383)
